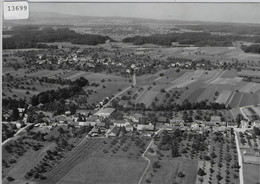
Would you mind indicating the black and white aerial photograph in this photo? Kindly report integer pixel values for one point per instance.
(132, 93)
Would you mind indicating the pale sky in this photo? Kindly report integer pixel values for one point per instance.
(217, 12)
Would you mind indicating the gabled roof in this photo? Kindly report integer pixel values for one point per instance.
(115, 130)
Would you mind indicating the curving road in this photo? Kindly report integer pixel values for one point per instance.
(143, 155)
(20, 130)
(149, 162)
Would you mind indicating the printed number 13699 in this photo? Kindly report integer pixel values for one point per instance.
(17, 8)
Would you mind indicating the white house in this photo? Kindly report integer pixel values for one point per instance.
(105, 112)
(141, 127)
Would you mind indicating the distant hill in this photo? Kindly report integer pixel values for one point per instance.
(52, 18)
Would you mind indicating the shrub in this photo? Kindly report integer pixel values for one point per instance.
(180, 174)
(9, 178)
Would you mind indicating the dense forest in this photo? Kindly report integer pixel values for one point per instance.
(24, 37)
(198, 39)
(251, 48)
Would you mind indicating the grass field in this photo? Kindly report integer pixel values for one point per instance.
(195, 94)
(105, 170)
(251, 173)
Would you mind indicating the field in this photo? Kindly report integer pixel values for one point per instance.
(95, 155)
(216, 157)
(105, 170)
(169, 169)
(209, 53)
(214, 86)
(251, 173)
(224, 96)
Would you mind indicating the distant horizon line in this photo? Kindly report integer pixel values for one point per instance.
(147, 18)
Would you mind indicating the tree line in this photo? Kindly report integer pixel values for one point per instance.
(33, 38)
(198, 39)
(254, 48)
(61, 93)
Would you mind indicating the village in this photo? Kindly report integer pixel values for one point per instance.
(108, 99)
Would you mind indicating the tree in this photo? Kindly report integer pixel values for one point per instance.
(162, 90)
(219, 177)
(9, 178)
(156, 165)
(175, 152)
(256, 130)
(238, 119)
(180, 174)
(161, 74)
(15, 114)
(201, 172)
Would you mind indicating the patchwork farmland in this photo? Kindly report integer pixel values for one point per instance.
(215, 86)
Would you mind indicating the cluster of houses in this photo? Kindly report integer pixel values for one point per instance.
(135, 122)
(250, 124)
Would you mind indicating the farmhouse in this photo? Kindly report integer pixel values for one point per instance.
(114, 132)
(121, 123)
(82, 123)
(194, 125)
(216, 121)
(162, 119)
(136, 117)
(94, 131)
(100, 124)
(105, 112)
(141, 127)
(129, 128)
(256, 123)
(244, 124)
(92, 120)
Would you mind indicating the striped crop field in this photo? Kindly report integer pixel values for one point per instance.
(224, 96)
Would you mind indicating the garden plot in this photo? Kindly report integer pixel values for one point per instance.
(224, 96)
